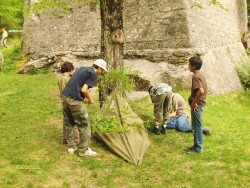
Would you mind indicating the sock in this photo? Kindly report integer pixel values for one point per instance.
(164, 126)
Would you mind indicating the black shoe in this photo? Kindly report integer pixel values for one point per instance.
(206, 131)
(64, 141)
(164, 130)
(192, 150)
(155, 130)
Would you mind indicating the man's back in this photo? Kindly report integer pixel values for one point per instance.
(159, 89)
(83, 75)
(179, 104)
(62, 81)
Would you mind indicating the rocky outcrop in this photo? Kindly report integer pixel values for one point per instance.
(160, 36)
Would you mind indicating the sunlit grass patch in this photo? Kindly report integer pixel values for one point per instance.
(31, 153)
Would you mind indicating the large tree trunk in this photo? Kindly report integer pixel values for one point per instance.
(111, 38)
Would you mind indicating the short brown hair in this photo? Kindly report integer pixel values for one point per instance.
(67, 67)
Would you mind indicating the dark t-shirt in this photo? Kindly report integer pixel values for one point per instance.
(198, 81)
(83, 75)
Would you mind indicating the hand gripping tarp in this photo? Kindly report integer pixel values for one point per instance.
(130, 145)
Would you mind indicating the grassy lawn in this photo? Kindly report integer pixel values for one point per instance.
(31, 153)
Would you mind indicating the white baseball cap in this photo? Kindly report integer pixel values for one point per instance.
(101, 63)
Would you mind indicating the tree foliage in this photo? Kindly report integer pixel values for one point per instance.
(56, 7)
(11, 14)
(198, 4)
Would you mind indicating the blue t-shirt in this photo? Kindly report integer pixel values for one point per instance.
(83, 75)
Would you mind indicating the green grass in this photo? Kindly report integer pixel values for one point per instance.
(13, 57)
(31, 153)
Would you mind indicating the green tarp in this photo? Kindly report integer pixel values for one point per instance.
(132, 144)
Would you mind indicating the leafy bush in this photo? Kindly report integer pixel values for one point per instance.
(11, 14)
(243, 70)
(116, 116)
(110, 125)
(120, 80)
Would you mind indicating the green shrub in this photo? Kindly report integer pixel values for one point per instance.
(120, 80)
(243, 70)
(110, 125)
(117, 83)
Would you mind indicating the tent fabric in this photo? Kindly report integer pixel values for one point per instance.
(130, 145)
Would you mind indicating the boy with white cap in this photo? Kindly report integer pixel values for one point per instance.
(73, 95)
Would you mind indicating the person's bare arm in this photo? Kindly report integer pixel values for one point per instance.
(172, 114)
(85, 91)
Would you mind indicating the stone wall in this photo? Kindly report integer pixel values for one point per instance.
(217, 33)
(212, 26)
(160, 36)
(155, 30)
(76, 33)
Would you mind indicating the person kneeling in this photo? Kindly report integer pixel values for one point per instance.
(178, 118)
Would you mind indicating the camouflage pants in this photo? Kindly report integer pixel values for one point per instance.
(76, 133)
(76, 115)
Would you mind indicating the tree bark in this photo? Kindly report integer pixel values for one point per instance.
(112, 38)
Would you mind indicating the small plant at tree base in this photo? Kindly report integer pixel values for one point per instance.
(121, 80)
(243, 70)
(110, 125)
(116, 114)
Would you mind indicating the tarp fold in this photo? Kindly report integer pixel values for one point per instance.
(131, 144)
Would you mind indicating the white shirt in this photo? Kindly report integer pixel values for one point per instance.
(5, 34)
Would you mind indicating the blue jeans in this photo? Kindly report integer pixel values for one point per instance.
(180, 123)
(196, 117)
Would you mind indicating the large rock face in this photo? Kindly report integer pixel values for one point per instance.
(160, 36)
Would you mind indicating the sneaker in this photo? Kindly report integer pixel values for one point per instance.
(155, 130)
(71, 150)
(88, 152)
(206, 131)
